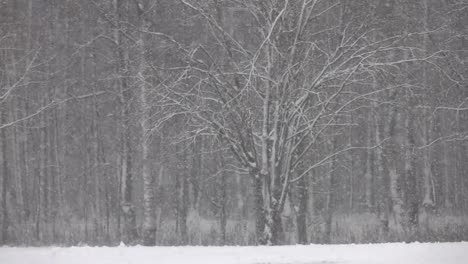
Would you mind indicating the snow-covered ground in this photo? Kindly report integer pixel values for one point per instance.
(395, 253)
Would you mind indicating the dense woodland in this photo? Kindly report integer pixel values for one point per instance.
(221, 122)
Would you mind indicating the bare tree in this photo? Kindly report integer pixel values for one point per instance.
(288, 84)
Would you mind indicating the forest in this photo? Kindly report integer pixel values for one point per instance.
(233, 122)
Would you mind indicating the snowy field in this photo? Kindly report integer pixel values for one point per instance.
(397, 253)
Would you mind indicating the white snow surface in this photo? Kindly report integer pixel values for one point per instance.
(395, 253)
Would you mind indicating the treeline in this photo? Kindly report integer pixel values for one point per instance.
(233, 122)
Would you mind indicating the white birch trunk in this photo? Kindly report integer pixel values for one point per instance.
(149, 226)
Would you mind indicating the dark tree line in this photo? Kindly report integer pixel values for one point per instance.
(233, 121)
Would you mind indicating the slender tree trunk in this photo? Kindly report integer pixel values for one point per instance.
(411, 190)
(25, 142)
(176, 202)
(16, 188)
(241, 210)
(94, 153)
(302, 212)
(129, 231)
(129, 226)
(85, 194)
(160, 198)
(197, 157)
(428, 201)
(17, 175)
(184, 200)
(121, 111)
(149, 226)
(43, 212)
(460, 161)
(447, 176)
(394, 177)
(5, 180)
(447, 168)
(258, 206)
(369, 168)
(302, 189)
(223, 203)
(330, 199)
(351, 161)
(382, 199)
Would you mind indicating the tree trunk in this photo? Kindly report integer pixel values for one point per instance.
(184, 200)
(43, 215)
(197, 157)
(330, 200)
(258, 206)
(276, 226)
(223, 203)
(302, 210)
(149, 226)
(382, 199)
(411, 190)
(268, 222)
(5, 179)
(130, 233)
(428, 201)
(394, 177)
(369, 168)
(160, 199)
(97, 205)
(447, 176)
